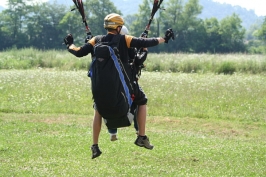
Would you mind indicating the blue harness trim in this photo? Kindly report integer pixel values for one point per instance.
(121, 76)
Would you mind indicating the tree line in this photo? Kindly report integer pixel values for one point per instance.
(44, 25)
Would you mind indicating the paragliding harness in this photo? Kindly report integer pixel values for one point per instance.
(111, 87)
(138, 63)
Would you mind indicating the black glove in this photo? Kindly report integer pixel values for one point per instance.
(68, 40)
(144, 34)
(168, 35)
(89, 36)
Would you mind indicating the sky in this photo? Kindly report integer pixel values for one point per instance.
(259, 6)
(3, 3)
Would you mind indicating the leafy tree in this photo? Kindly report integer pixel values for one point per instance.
(71, 22)
(250, 32)
(188, 28)
(173, 18)
(192, 26)
(14, 16)
(142, 19)
(31, 24)
(129, 19)
(261, 33)
(197, 37)
(213, 39)
(43, 26)
(232, 34)
(5, 36)
(96, 11)
(258, 46)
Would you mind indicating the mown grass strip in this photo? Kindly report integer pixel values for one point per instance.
(58, 145)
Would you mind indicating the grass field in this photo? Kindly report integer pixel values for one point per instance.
(31, 58)
(200, 124)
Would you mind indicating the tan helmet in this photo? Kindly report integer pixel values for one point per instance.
(112, 21)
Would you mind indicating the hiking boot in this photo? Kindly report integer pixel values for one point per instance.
(95, 151)
(143, 141)
(113, 137)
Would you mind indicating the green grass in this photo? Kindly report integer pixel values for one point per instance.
(200, 124)
(31, 58)
(58, 145)
(236, 97)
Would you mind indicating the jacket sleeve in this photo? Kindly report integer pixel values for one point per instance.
(141, 42)
(84, 50)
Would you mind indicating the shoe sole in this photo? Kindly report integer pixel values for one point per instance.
(144, 146)
(96, 155)
(114, 138)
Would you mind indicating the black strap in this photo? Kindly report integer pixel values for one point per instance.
(98, 39)
(114, 42)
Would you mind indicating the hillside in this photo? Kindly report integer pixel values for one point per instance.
(220, 11)
(210, 9)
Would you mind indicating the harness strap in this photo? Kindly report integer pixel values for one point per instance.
(121, 76)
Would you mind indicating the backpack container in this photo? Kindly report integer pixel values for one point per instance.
(110, 90)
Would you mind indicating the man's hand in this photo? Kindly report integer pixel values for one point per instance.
(68, 40)
(89, 36)
(168, 35)
(144, 34)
